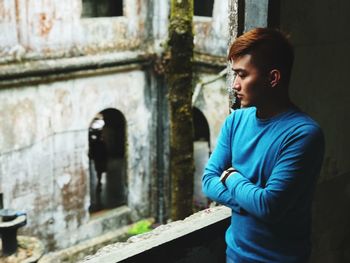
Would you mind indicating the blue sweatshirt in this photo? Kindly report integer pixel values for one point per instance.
(278, 161)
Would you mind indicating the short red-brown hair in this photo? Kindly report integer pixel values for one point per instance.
(270, 49)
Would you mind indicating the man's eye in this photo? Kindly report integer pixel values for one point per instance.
(241, 74)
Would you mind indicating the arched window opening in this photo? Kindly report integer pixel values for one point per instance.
(102, 8)
(201, 151)
(107, 143)
(200, 126)
(203, 8)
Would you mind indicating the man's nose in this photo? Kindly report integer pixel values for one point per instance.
(236, 84)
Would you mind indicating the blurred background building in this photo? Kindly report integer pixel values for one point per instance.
(83, 97)
(65, 63)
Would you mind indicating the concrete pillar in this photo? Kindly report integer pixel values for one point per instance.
(255, 14)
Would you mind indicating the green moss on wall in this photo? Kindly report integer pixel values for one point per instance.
(179, 80)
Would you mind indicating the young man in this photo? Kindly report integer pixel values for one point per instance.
(268, 156)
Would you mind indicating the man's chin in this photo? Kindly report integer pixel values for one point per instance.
(245, 105)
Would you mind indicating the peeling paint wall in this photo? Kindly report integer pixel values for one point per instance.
(51, 28)
(44, 162)
(8, 37)
(160, 20)
(214, 103)
(211, 37)
(44, 166)
(211, 33)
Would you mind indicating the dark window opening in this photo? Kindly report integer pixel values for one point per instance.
(107, 159)
(102, 8)
(203, 7)
(201, 152)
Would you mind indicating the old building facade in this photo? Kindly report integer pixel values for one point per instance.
(65, 66)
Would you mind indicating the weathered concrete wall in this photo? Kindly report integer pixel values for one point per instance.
(58, 71)
(44, 127)
(320, 86)
(44, 144)
(8, 24)
(210, 51)
(213, 102)
(255, 14)
(160, 20)
(211, 33)
(39, 29)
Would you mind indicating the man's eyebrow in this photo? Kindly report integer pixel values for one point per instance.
(238, 70)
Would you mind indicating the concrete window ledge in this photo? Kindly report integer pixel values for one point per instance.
(198, 238)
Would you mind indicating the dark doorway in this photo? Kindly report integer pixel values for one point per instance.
(201, 148)
(200, 126)
(107, 143)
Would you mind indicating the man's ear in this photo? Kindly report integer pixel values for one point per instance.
(275, 77)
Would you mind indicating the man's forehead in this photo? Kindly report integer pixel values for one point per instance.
(241, 62)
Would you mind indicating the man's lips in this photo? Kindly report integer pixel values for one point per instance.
(239, 96)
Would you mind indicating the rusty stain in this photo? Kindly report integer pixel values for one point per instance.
(45, 24)
(44, 230)
(65, 103)
(62, 96)
(2, 11)
(141, 27)
(139, 7)
(19, 125)
(51, 242)
(17, 10)
(203, 28)
(73, 196)
(5, 13)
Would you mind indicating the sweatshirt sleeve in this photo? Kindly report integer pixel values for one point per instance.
(219, 161)
(293, 176)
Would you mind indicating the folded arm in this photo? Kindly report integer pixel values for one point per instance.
(219, 161)
(293, 176)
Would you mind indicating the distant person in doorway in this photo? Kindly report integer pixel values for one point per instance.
(114, 135)
(98, 154)
(267, 158)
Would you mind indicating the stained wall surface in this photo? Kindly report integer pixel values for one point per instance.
(320, 86)
(44, 161)
(57, 71)
(38, 29)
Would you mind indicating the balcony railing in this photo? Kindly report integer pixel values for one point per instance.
(198, 238)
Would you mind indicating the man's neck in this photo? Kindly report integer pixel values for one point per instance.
(273, 108)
